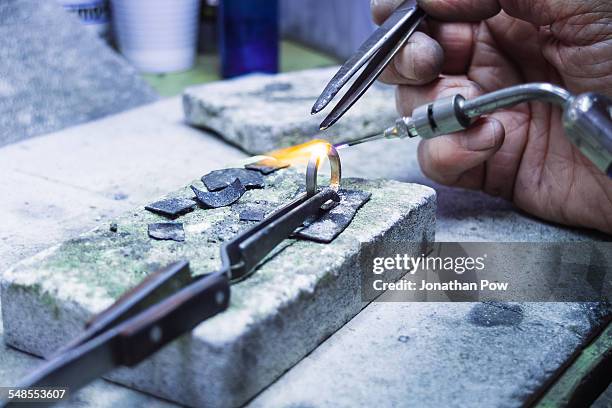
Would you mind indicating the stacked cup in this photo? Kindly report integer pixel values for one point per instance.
(157, 36)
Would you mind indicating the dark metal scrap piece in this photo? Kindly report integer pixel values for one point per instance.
(333, 222)
(267, 166)
(220, 179)
(167, 231)
(171, 207)
(252, 215)
(225, 197)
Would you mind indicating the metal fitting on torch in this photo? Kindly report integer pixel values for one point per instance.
(437, 118)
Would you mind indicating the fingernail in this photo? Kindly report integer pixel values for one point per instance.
(483, 139)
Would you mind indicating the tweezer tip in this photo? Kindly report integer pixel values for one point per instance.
(328, 121)
(319, 105)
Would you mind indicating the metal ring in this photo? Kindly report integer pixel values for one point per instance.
(313, 168)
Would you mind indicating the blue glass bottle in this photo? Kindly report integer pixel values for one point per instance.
(248, 35)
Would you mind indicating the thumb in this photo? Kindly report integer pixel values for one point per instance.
(458, 159)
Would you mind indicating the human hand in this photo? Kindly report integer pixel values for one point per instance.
(520, 153)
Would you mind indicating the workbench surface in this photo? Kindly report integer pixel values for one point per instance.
(389, 349)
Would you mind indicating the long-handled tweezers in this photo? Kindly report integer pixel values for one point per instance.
(170, 302)
(379, 49)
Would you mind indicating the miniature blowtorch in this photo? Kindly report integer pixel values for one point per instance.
(587, 118)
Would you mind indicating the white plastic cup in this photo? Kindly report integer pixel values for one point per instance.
(157, 36)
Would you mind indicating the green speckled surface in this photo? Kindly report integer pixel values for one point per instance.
(100, 265)
(112, 262)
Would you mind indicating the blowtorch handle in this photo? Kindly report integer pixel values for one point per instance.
(587, 120)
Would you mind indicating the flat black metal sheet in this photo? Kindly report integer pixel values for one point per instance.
(225, 197)
(172, 207)
(267, 166)
(251, 214)
(167, 231)
(331, 223)
(220, 179)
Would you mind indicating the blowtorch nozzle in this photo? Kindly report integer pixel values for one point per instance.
(364, 139)
(399, 131)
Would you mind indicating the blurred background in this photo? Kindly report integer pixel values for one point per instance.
(176, 43)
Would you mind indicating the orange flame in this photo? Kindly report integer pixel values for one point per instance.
(300, 154)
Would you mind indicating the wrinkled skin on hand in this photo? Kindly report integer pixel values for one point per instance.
(477, 46)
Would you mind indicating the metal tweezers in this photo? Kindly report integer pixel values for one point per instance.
(379, 48)
(170, 302)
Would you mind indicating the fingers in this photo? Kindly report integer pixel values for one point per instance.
(457, 42)
(407, 98)
(546, 12)
(381, 9)
(423, 58)
(540, 13)
(459, 10)
(451, 10)
(459, 159)
(418, 62)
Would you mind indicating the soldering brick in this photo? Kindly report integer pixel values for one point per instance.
(277, 316)
(260, 113)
